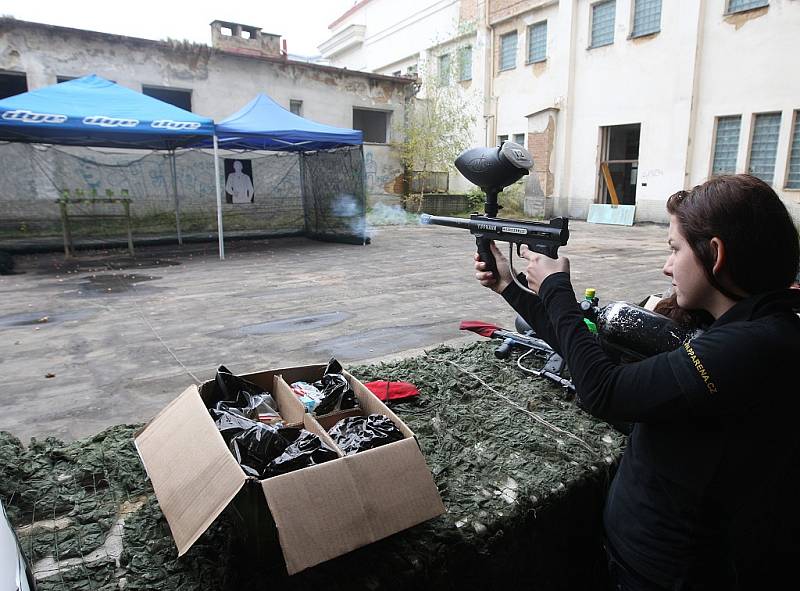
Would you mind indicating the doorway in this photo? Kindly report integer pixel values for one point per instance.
(619, 162)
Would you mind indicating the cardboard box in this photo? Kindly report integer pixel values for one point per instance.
(319, 512)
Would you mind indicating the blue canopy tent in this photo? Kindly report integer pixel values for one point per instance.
(93, 111)
(263, 124)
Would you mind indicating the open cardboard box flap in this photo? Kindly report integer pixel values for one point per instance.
(324, 511)
(194, 474)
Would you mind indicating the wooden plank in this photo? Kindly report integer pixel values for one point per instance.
(609, 183)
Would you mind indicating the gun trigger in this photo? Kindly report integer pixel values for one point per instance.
(519, 250)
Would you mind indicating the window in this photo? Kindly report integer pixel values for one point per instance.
(12, 83)
(603, 23)
(646, 17)
(411, 70)
(296, 107)
(537, 42)
(793, 174)
(726, 145)
(519, 138)
(60, 79)
(373, 124)
(508, 51)
(742, 5)
(465, 63)
(764, 146)
(397, 73)
(444, 69)
(180, 98)
(501, 139)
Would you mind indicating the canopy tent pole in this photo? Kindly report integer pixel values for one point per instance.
(364, 195)
(219, 200)
(174, 171)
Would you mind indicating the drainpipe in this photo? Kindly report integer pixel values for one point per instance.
(698, 48)
(563, 191)
(489, 118)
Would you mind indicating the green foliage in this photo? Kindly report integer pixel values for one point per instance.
(438, 125)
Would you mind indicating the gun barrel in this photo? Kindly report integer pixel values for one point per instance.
(439, 220)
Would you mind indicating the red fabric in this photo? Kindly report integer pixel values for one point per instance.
(482, 328)
(386, 391)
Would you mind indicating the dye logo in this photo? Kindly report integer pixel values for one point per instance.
(31, 117)
(175, 125)
(103, 121)
(701, 370)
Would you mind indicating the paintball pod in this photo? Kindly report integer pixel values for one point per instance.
(625, 331)
(493, 169)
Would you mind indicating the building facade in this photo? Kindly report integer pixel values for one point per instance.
(217, 80)
(660, 94)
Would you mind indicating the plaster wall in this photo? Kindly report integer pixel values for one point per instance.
(748, 66)
(220, 82)
(395, 31)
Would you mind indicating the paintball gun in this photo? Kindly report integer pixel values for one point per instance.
(493, 169)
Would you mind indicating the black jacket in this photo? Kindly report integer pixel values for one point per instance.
(715, 431)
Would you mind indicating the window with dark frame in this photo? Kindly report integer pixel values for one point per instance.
(537, 42)
(12, 83)
(373, 124)
(501, 139)
(179, 98)
(296, 107)
(508, 51)
(726, 145)
(519, 138)
(603, 16)
(646, 17)
(742, 5)
(793, 171)
(60, 79)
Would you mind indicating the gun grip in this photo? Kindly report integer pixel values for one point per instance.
(486, 256)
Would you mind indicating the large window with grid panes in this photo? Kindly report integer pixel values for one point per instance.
(465, 63)
(537, 42)
(742, 5)
(793, 167)
(726, 144)
(508, 51)
(603, 16)
(646, 17)
(764, 146)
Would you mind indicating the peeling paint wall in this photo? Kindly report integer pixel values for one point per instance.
(220, 82)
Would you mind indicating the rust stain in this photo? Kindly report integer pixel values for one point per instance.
(645, 38)
(539, 68)
(394, 186)
(740, 19)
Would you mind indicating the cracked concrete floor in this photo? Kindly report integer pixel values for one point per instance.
(105, 338)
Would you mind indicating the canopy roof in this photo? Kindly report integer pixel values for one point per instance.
(263, 124)
(93, 111)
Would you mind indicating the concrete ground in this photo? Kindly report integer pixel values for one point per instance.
(104, 338)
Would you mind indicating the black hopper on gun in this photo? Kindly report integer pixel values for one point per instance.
(493, 169)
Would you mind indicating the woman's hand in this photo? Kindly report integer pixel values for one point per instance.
(540, 267)
(487, 278)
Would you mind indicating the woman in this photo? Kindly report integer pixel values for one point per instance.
(715, 432)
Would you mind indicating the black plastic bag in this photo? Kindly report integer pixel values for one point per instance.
(237, 395)
(255, 447)
(336, 390)
(307, 450)
(230, 423)
(356, 434)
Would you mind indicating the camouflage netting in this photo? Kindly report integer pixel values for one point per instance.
(520, 469)
(318, 194)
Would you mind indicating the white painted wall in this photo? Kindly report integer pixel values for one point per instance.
(748, 66)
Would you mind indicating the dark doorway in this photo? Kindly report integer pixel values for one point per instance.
(12, 83)
(619, 159)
